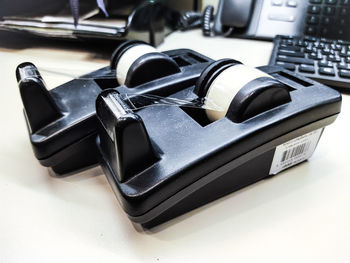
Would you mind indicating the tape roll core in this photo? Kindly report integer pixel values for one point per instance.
(128, 58)
(225, 87)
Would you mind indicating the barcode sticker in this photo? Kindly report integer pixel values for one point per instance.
(294, 151)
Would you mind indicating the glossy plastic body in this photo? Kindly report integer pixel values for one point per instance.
(66, 139)
(195, 161)
(165, 160)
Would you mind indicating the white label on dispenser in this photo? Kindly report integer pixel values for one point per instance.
(294, 151)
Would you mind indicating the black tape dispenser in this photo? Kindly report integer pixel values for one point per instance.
(175, 130)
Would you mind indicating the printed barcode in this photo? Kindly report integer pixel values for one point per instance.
(291, 153)
(294, 151)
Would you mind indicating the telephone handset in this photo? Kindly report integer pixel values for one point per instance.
(232, 14)
(264, 19)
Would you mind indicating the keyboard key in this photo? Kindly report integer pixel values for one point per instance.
(340, 32)
(277, 2)
(310, 30)
(310, 49)
(344, 11)
(327, 21)
(345, 44)
(291, 53)
(326, 40)
(327, 51)
(285, 65)
(316, 56)
(344, 73)
(315, 1)
(325, 63)
(281, 17)
(288, 47)
(301, 43)
(288, 42)
(314, 9)
(343, 66)
(319, 45)
(344, 2)
(336, 47)
(329, 10)
(342, 22)
(333, 58)
(310, 39)
(344, 52)
(295, 60)
(312, 20)
(307, 68)
(330, 2)
(292, 3)
(326, 71)
(325, 31)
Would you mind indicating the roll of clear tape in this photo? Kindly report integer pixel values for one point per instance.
(128, 58)
(225, 87)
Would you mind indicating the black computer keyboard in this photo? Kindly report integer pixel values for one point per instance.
(321, 59)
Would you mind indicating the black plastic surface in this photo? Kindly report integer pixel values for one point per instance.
(41, 107)
(163, 160)
(256, 97)
(124, 129)
(62, 121)
(142, 70)
(189, 151)
(241, 9)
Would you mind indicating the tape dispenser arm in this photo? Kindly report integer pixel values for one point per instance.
(123, 138)
(40, 106)
(61, 131)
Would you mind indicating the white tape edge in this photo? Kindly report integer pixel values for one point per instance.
(225, 87)
(128, 58)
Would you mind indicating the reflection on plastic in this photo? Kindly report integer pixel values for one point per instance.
(76, 74)
(147, 100)
(139, 101)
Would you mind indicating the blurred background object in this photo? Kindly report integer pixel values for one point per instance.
(146, 20)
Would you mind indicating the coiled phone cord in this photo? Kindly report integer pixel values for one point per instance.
(192, 19)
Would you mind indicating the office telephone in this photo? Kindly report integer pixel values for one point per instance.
(175, 130)
(264, 19)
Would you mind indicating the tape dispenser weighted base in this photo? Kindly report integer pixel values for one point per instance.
(164, 159)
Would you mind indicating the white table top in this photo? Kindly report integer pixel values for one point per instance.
(300, 215)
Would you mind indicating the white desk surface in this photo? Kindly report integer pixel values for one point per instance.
(301, 215)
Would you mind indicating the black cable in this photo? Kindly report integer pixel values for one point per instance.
(190, 20)
(74, 5)
(207, 17)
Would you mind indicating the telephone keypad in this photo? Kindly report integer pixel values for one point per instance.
(328, 18)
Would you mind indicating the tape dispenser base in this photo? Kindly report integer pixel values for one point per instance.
(163, 159)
